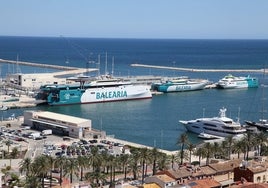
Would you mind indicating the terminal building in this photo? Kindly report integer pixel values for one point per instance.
(62, 125)
(33, 81)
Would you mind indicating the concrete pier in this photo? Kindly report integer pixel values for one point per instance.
(199, 70)
(37, 64)
(67, 70)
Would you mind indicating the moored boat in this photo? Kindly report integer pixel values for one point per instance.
(3, 108)
(107, 90)
(180, 84)
(232, 82)
(262, 124)
(221, 126)
(206, 136)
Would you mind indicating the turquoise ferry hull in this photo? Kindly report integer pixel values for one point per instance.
(179, 87)
(65, 95)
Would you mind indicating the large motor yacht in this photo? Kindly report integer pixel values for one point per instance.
(219, 126)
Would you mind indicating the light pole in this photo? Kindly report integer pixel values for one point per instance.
(174, 62)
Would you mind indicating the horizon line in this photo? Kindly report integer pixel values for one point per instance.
(134, 38)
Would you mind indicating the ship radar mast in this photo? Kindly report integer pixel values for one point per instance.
(222, 112)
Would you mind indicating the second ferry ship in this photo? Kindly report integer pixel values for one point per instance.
(180, 84)
(106, 90)
(232, 82)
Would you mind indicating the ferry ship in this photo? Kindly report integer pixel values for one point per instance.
(93, 92)
(231, 82)
(180, 84)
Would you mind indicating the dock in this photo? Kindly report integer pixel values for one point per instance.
(22, 101)
(199, 70)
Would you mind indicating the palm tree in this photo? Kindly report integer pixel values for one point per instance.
(124, 159)
(191, 147)
(8, 144)
(50, 161)
(207, 151)
(239, 147)
(261, 138)
(143, 153)
(134, 162)
(25, 166)
(83, 163)
(41, 167)
(200, 153)
(33, 182)
(60, 162)
(71, 168)
(14, 153)
(172, 158)
(182, 140)
(230, 142)
(248, 143)
(218, 149)
(110, 168)
(154, 155)
(95, 158)
(162, 161)
(95, 178)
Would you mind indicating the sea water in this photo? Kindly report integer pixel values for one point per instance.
(152, 122)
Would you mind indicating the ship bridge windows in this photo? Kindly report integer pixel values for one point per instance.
(231, 128)
(210, 125)
(194, 126)
(228, 122)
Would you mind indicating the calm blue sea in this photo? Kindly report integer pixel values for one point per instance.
(152, 122)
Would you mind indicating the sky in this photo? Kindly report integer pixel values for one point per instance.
(167, 19)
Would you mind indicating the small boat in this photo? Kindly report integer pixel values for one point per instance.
(180, 84)
(3, 108)
(206, 136)
(232, 82)
(252, 129)
(262, 124)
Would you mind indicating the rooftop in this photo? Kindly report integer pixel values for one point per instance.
(61, 117)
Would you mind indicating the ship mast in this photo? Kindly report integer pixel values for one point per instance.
(112, 66)
(106, 72)
(98, 65)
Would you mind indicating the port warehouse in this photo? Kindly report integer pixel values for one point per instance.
(62, 125)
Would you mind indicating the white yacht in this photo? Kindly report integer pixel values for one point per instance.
(221, 126)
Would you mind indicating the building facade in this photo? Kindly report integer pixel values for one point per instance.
(60, 124)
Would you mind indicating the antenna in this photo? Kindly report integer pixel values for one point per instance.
(238, 118)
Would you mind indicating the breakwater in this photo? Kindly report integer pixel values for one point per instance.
(67, 70)
(199, 70)
(37, 64)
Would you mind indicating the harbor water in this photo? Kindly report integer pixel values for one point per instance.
(152, 122)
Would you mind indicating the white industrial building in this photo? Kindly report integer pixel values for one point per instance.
(34, 81)
(62, 125)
